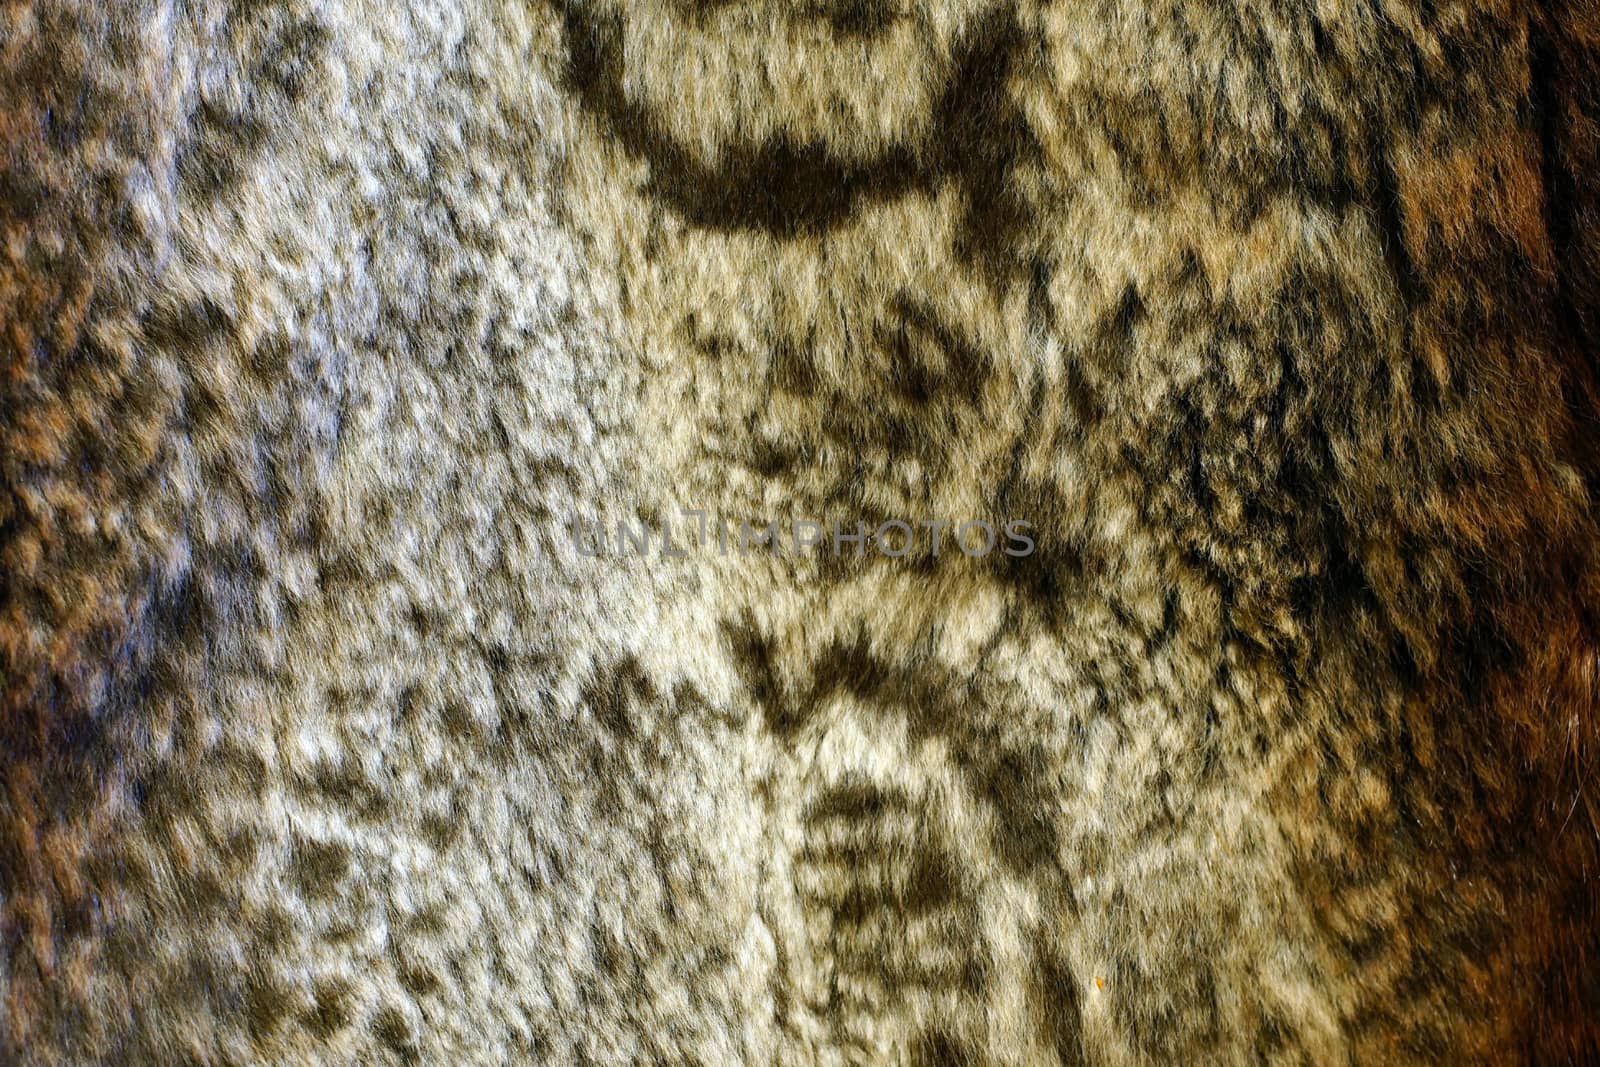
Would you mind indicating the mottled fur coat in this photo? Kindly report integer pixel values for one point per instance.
(328, 326)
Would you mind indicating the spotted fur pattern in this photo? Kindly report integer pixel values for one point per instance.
(1277, 319)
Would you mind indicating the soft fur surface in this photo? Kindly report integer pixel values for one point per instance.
(322, 743)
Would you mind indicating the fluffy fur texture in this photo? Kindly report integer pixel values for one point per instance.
(1277, 319)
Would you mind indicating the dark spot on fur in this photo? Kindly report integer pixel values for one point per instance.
(1055, 1002)
(459, 721)
(793, 368)
(1015, 784)
(420, 981)
(188, 328)
(274, 928)
(788, 188)
(318, 866)
(391, 1027)
(927, 358)
(985, 137)
(266, 1005)
(753, 660)
(779, 186)
(846, 18)
(292, 58)
(1386, 204)
(941, 1047)
(330, 1010)
(858, 18)
(934, 880)
(22, 191)
(853, 800)
(220, 145)
(615, 694)
(924, 693)
(270, 358)
(440, 829)
(345, 784)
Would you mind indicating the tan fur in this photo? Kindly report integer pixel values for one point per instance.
(323, 743)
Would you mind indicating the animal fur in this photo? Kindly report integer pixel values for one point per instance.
(322, 744)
